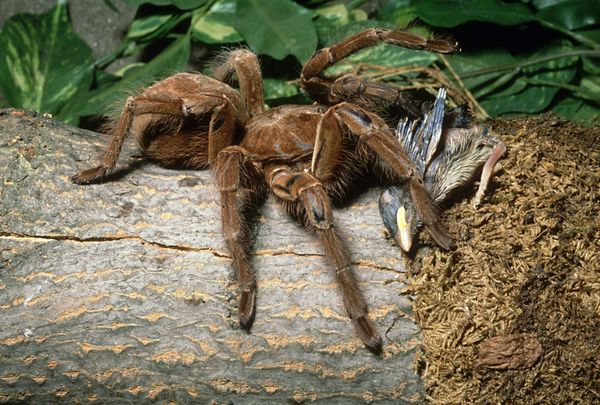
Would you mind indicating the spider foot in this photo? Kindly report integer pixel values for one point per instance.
(368, 333)
(440, 235)
(89, 176)
(246, 309)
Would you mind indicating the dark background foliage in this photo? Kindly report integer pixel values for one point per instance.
(518, 57)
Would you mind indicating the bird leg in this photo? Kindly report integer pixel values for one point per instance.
(489, 168)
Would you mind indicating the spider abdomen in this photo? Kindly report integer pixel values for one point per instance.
(172, 123)
(178, 148)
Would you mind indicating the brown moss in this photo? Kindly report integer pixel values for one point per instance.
(527, 264)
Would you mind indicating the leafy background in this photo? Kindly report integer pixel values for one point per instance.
(518, 57)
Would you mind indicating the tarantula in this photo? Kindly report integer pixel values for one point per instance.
(448, 151)
(303, 154)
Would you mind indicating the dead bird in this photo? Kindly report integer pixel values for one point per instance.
(448, 149)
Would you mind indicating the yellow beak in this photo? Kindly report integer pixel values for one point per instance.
(403, 237)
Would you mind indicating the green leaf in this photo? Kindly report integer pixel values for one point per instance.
(540, 83)
(572, 14)
(398, 12)
(591, 65)
(103, 78)
(338, 14)
(43, 63)
(278, 88)
(277, 28)
(146, 25)
(467, 63)
(593, 34)
(576, 109)
(331, 17)
(173, 59)
(589, 88)
(216, 25)
(540, 4)
(451, 13)
(526, 88)
(181, 4)
(188, 4)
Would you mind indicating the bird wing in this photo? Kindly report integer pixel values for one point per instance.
(420, 138)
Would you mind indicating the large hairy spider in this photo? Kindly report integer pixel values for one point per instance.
(303, 154)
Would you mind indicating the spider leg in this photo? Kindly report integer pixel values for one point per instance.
(245, 65)
(134, 106)
(307, 195)
(220, 134)
(370, 94)
(374, 138)
(240, 186)
(222, 121)
(319, 88)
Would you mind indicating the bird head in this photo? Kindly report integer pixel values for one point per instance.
(399, 215)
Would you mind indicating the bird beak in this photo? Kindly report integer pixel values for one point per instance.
(403, 236)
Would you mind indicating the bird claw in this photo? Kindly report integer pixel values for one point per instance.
(490, 167)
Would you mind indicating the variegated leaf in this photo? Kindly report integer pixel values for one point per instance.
(216, 25)
(43, 63)
(170, 61)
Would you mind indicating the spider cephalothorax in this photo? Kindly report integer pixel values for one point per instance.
(303, 154)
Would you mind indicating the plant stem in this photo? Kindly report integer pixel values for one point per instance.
(577, 91)
(501, 81)
(594, 53)
(464, 88)
(577, 37)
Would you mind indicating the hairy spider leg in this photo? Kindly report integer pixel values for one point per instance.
(221, 129)
(320, 88)
(374, 137)
(308, 198)
(370, 94)
(134, 106)
(245, 65)
(171, 111)
(240, 186)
